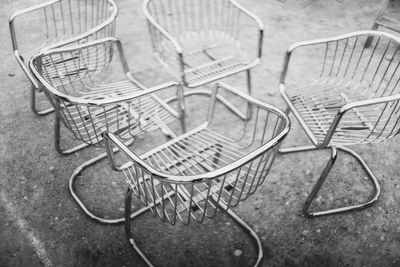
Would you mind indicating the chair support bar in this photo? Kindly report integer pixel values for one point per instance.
(57, 140)
(311, 197)
(33, 104)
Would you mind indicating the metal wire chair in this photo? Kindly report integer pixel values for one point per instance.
(348, 95)
(199, 42)
(76, 80)
(210, 168)
(58, 23)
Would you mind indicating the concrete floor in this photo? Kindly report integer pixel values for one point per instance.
(41, 225)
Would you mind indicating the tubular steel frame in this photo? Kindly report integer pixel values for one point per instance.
(183, 30)
(332, 117)
(64, 25)
(193, 175)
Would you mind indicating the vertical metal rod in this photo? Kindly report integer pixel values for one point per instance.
(319, 182)
(131, 240)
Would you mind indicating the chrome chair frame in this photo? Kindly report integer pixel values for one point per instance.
(64, 67)
(371, 117)
(127, 108)
(58, 21)
(169, 48)
(168, 187)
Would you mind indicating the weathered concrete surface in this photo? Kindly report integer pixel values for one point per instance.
(40, 224)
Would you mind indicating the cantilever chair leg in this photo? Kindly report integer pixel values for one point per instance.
(375, 25)
(128, 219)
(77, 199)
(90, 163)
(311, 197)
(57, 140)
(319, 183)
(249, 91)
(33, 104)
(86, 210)
(129, 216)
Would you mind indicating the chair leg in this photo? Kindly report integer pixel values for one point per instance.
(370, 38)
(33, 104)
(57, 139)
(325, 173)
(182, 107)
(249, 91)
(251, 232)
(75, 196)
(318, 185)
(220, 98)
(129, 216)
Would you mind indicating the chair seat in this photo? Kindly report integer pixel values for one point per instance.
(128, 118)
(209, 56)
(197, 152)
(109, 90)
(213, 70)
(317, 105)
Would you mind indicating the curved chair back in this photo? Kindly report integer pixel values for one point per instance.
(58, 23)
(90, 98)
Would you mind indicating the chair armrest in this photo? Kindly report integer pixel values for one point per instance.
(258, 22)
(369, 102)
(24, 12)
(358, 104)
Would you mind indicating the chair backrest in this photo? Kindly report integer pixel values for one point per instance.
(71, 69)
(347, 60)
(211, 18)
(72, 78)
(61, 22)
